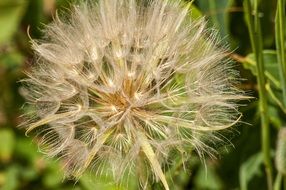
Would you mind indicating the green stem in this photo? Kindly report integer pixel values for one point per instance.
(256, 43)
(278, 181)
(284, 182)
(280, 40)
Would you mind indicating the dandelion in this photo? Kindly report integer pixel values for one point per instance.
(121, 85)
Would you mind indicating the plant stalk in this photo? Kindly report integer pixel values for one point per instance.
(254, 28)
(278, 182)
(280, 46)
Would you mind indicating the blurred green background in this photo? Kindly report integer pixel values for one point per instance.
(240, 166)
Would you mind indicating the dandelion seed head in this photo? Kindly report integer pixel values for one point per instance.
(123, 84)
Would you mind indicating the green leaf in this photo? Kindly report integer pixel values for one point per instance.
(274, 116)
(270, 63)
(10, 16)
(249, 169)
(7, 142)
(273, 86)
(275, 96)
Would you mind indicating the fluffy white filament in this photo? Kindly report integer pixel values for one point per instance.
(123, 83)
